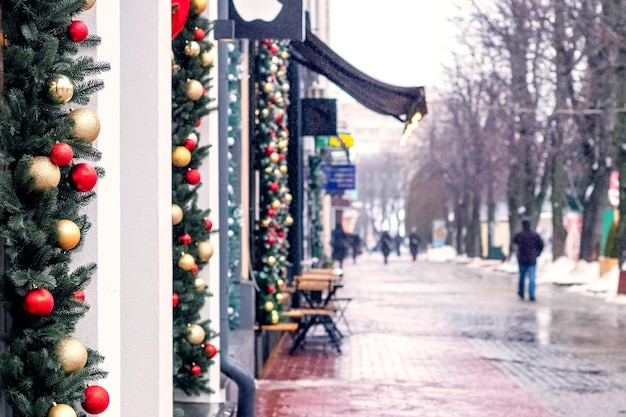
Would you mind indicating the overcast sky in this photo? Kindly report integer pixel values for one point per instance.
(399, 42)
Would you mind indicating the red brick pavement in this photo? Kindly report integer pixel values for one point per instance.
(402, 359)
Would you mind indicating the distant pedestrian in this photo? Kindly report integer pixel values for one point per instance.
(529, 247)
(357, 247)
(398, 242)
(385, 245)
(414, 243)
(339, 243)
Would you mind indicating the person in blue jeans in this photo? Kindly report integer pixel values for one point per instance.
(529, 247)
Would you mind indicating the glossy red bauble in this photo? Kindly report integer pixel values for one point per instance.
(96, 399)
(79, 295)
(210, 350)
(38, 302)
(271, 289)
(269, 150)
(84, 177)
(184, 239)
(196, 370)
(271, 239)
(208, 224)
(174, 300)
(274, 187)
(199, 34)
(193, 176)
(190, 144)
(61, 154)
(77, 31)
(271, 212)
(195, 269)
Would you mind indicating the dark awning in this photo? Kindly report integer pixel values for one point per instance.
(400, 102)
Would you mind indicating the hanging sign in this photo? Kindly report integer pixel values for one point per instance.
(267, 19)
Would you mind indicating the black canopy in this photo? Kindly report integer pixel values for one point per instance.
(400, 102)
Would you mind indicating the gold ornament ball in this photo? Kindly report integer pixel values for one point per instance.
(275, 204)
(274, 157)
(186, 262)
(61, 410)
(177, 214)
(181, 156)
(275, 317)
(206, 58)
(46, 174)
(280, 283)
(282, 144)
(265, 112)
(289, 221)
(205, 250)
(198, 6)
(265, 222)
(284, 169)
(86, 124)
(194, 90)
(285, 87)
(192, 48)
(72, 354)
(280, 297)
(271, 260)
(268, 306)
(89, 4)
(284, 55)
(195, 334)
(60, 88)
(288, 197)
(268, 170)
(68, 234)
(268, 88)
(199, 284)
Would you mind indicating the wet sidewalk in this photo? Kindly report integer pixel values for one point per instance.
(402, 358)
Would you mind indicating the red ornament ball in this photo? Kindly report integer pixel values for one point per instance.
(271, 289)
(210, 350)
(196, 370)
(271, 239)
(84, 177)
(198, 122)
(280, 234)
(198, 34)
(270, 150)
(174, 300)
(274, 187)
(77, 31)
(274, 49)
(185, 239)
(190, 144)
(208, 224)
(271, 212)
(61, 154)
(79, 295)
(193, 176)
(195, 269)
(38, 302)
(96, 399)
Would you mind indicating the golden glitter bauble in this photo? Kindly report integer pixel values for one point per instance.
(61, 410)
(275, 204)
(68, 234)
(280, 283)
(268, 88)
(265, 112)
(275, 317)
(89, 4)
(277, 173)
(284, 169)
(186, 262)
(181, 156)
(265, 222)
(280, 297)
(195, 334)
(268, 306)
(199, 284)
(284, 55)
(86, 124)
(268, 170)
(285, 87)
(60, 88)
(72, 354)
(46, 174)
(194, 90)
(282, 144)
(274, 157)
(288, 197)
(192, 48)
(205, 250)
(206, 58)
(177, 214)
(198, 6)
(271, 260)
(289, 221)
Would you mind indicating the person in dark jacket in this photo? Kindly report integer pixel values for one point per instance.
(529, 247)
(340, 244)
(385, 245)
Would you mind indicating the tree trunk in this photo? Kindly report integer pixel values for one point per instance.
(472, 238)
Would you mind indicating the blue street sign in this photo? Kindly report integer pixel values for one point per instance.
(339, 177)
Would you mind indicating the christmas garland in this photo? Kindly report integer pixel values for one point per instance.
(272, 138)
(234, 185)
(192, 61)
(47, 152)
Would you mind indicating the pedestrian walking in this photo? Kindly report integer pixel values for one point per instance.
(385, 245)
(339, 243)
(357, 248)
(398, 242)
(414, 243)
(529, 247)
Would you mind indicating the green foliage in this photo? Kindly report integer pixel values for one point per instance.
(612, 242)
(30, 124)
(191, 297)
(271, 154)
(315, 212)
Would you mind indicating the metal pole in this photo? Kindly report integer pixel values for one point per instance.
(229, 366)
(296, 174)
